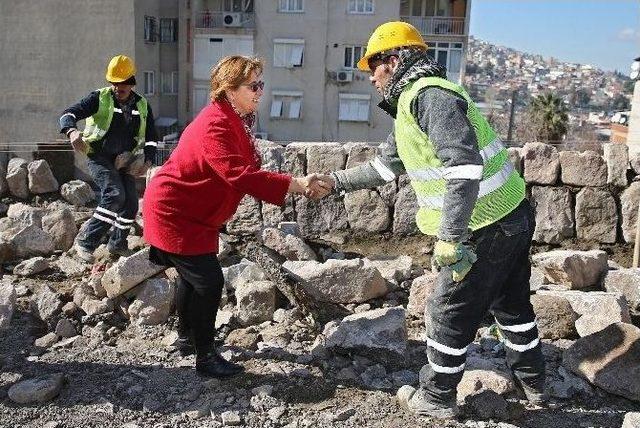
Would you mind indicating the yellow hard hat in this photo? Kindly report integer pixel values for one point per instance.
(120, 68)
(391, 35)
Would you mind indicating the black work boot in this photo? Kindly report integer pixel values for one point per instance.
(184, 345)
(415, 401)
(213, 365)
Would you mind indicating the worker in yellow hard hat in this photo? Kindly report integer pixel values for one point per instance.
(120, 140)
(471, 198)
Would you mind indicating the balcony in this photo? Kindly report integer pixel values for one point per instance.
(431, 25)
(215, 20)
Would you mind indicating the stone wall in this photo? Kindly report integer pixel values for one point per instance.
(579, 195)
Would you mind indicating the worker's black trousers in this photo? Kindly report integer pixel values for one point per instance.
(198, 294)
(499, 283)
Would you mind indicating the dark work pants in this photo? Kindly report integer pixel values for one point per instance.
(117, 207)
(198, 294)
(499, 283)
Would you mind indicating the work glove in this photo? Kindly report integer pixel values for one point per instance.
(456, 255)
(78, 144)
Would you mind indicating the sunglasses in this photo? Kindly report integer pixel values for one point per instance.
(254, 86)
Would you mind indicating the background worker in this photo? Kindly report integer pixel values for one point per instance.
(471, 198)
(119, 125)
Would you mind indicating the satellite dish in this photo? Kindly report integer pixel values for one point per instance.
(634, 74)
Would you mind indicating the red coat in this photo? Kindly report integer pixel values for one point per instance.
(200, 187)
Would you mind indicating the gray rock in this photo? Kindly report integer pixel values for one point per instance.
(626, 282)
(421, 288)
(339, 281)
(25, 215)
(596, 215)
(537, 280)
(576, 269)
(96, 307)
(483, 374)
(17, 178)
(596, 309)
(256, 302)
(541, 163)
(245, 271)
(295, 158)
(318, 217)
(629, 209)
(41, 179)
(404, 216)
(231, 418)
(45, 303)
(248, 218)
(488, 405)
(555, 316)
(393, 269)
(31, 267)
(516, 157)
(46, 341)
(37, 390)
(290, 246)
(609, 359)
(128, 272)
(631, 419)
(367, 211)
(359, 153)
(380, 333)
(153, 302)
(30, 241)
(61, 226)
(77, 192)
(554, 214)
(65, 328)
(325, 157)
(617, 159)
(583, 168)
(7, 303)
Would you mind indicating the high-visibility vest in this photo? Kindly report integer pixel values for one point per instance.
(96, 126)
(501, 186)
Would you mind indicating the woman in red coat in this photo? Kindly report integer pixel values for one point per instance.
(198, 189)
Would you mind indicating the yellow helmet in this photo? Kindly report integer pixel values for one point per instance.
(391, 35)
(120, 68)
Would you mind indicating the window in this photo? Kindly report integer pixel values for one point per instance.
(291, 6)
(354, 107)
(360, 6)
(448, 55)
(150, 29)
(286, 104)
(351, 55)
(288, 52)
(149, 83)
(169, 83)
(168, 30)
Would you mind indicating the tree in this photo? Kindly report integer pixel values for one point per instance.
(619, 103)
(549, 114)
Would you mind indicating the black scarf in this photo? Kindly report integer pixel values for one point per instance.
(414, 64)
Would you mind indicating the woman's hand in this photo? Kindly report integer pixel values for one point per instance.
(314, 186)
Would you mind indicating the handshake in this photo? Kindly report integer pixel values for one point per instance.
(313, 186)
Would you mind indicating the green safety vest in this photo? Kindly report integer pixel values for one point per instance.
(96, 126)
(501, 186)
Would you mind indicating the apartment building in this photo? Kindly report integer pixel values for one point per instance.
(313, 90)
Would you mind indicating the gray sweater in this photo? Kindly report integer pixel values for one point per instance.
(442, 115)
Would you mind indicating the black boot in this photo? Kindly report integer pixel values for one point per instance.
(184, 345)
(213, 365)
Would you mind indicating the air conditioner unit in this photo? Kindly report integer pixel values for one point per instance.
(232, 19)
(344, 76)
(261, 135)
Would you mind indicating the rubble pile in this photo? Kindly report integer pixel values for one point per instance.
(93, 344)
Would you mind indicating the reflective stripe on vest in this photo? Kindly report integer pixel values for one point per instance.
(96, 126)
(501, 187)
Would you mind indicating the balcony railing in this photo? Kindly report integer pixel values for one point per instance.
(206, 19)
(430, 25)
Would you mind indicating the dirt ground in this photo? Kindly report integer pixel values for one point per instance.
(134, 379)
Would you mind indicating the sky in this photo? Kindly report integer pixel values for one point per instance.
(604, 33)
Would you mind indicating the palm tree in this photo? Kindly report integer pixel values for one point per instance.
(549, 114)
